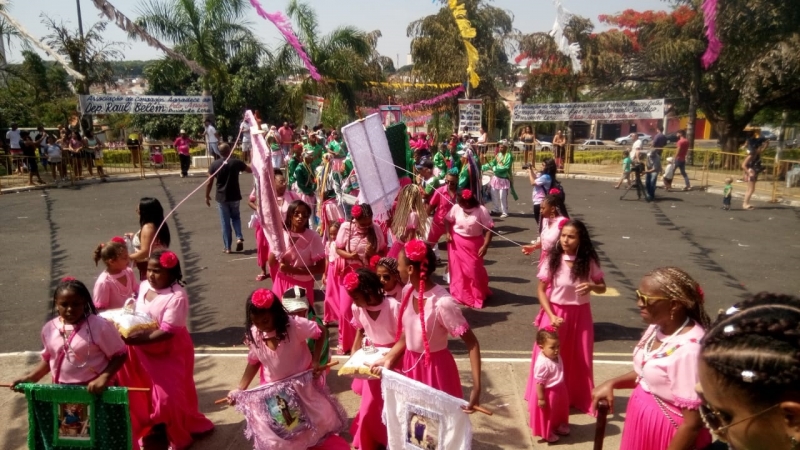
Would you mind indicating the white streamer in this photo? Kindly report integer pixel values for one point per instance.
(572, 50)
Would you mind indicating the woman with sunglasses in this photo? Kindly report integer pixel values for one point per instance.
(663, 409)
(305, 254)
(750, 374)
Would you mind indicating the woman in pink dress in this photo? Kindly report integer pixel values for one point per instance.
(663, 411)
(117, 283)
(151, 217)
(374, 316)
(305, 255)
(163, 359)
(552, 221)
(427, 315)
(442, 201)
(284, 197)
(278, 350)
(357, 242)
(469, 229)
(570, 274)
(331, 279)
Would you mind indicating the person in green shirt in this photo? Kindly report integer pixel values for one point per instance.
(440, 158)
(727, 192)
(425, 177)
(304, 175)
(626, 170)
(296, 304)
(463, 173)
(294, 161)
(314, 145)
(501, 181)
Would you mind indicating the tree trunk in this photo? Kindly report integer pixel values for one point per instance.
(694, 97)
(782, 136)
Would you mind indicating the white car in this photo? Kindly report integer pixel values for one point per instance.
(591, 144)
(542, 145)
(625, 140)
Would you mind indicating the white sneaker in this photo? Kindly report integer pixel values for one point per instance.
(503, 216)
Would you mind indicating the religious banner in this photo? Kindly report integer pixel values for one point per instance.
(613, 110)
(267, 210)
(145, 104)
(419, 417)
(390, 114)
(312, 110)
(62, 417)
(469, 116)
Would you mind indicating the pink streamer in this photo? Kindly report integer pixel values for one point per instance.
(285, 27)
(714, 44)
(425, 103)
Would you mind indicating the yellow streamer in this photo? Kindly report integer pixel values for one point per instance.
(467, 31)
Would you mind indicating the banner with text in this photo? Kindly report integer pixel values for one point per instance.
(615, 110)
(145, 104)
(312, 110)
(469, 116)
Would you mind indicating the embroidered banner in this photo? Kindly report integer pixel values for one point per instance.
(562, 112)
(62, 417)
(419, 417)
(312, 112)
(469, 116)
(145, 104)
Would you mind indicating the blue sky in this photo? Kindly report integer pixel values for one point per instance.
(391, 17)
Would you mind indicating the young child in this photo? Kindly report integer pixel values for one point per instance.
(375, 317)
(386, 269)
(551, 416)
(727, 191)
(669, 173)
(332, 276)
(79, 347)
(427, 314)
(117, 283)
(55, 159)
(570, 274)
(626, 170)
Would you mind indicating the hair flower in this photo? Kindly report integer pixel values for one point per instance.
(262, 298)
(701, 294)
(554, 191)
(351, 281)
(373, 262)
(357, 211)
(118, 240)
(67, 279)
(466, 194)
(168, 260)
(340, 220)
(416, 250)
(550, 329)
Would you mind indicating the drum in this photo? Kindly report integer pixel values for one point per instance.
(486, 178)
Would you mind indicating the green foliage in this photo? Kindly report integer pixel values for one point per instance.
(36, 92)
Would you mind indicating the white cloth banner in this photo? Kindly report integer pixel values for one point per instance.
(145, 104)
(419, 417)
(390, 114)
(369, 149)
(469, 116)
(616, 110)
(312, 110)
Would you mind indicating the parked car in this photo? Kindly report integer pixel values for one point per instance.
(672, 138)
(625, 140)
(591, 144)
(769, 135)
(542, 145)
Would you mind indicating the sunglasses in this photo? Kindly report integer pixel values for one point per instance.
(648, 300)
(715, 423)
(385, 277)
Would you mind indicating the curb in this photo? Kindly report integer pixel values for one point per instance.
(110, 179)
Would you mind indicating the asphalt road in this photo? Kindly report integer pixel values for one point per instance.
(46, 235)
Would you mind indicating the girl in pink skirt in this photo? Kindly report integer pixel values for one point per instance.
(441, 202)
(570, 274)
(305, 254)
(374, 316)
(284, 198)
(550, 415)
(332, 276)
(469, 228)
(117, 283)
(386, 269)
(357, 242)
(553, 220)
(427, 315)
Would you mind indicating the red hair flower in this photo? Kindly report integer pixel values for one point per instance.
(373, 262)
(262, 298)
(416, 250)
(549, 329)
(351, 281)
(340, 220)
(67, 279)
(168, 260)
(466, 194)
(701, 294)
(554, 191)
(118, 240)
(357, 211)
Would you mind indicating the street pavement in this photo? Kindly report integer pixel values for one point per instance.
(48, 234)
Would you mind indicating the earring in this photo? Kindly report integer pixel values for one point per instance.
(672, 315)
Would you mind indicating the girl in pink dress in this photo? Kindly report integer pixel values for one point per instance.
(305, 255)
(277, 350)
(566, 279)
(79, 347)
(163, 359)
(427, 315)
(386, 269)
(469, 235)
(357, 242)
(441, 202)
(409, 219)
(550, 409)
(332, 277)
(285, 198)
(117, 283)
(553, 220)
(374, 316)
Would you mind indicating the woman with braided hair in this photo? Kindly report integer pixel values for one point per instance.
(750, 374)
(410, 218)
(427, 315)
(663, 411)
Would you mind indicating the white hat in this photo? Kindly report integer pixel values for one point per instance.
(294, 299)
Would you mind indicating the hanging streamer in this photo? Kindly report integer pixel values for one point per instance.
(285, 27)
(467, 32)
(427, 103)
(41, 45)
(572, 50)
(132, 28)
(714, 44)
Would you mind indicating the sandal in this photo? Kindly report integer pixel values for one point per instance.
(261, 277)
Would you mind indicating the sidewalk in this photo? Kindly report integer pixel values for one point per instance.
(216, 372)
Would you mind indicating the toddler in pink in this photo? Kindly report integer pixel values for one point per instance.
(117, 283)
(550, 410)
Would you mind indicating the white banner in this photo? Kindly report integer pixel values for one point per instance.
(312, 110)
(469, 116)
(145, 104)
(564, 112)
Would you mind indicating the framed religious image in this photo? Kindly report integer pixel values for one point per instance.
(73, 424)
(423, 429)
(287, 416)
